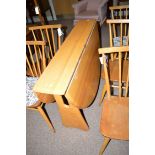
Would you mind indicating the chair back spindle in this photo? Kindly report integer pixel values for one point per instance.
(49, 34)
(35, 58)
(118, 34)
(119, 12)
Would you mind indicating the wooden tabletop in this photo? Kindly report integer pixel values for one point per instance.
(58, 74)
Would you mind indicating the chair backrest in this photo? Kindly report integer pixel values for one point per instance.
(122, 86)
(119, 12)
(118, 33)
(52, 34)
(118, 30)
(35, 58)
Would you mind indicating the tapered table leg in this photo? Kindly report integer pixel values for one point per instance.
(104, 145)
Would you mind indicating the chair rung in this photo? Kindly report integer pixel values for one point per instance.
(114, 86)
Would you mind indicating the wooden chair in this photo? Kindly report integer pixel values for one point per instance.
(118, 36)
(53, 36)
(119, 12)
(118, 32)
(35, 65)
(114, 122)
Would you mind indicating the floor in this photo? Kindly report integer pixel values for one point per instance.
(40, 140)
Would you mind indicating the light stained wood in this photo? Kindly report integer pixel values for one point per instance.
(127, 86)
(35, 65)
(119, 12)
(114, 75)
(117, 21)
(42, 43)
(114, 122)
(110, 37)
(43, 114)
(53, 41)
(60, 70)
(102, 94)
(117, 70)
(115, 118)
(117, 28)
(104, 145)
(119, 7)
(84, 84)
(120, 73)
(114, 71)
(49, 34)
(108, 50)
(106, 76)
(46, 98)
(70, 115)
(45, 27)
(35, 58)
(73, 72)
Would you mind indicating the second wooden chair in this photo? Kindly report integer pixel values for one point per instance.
(119, 36)
(114, 122)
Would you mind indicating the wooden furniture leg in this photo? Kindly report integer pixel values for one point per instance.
(104, 145)
(45, 118)
(70, 115)
(103, 94)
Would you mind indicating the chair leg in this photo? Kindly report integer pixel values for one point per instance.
(104, 145)
(103, 94)
(125, 55)
(115, 55)
(43, 114)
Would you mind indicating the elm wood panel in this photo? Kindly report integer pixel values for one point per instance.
(70, 115)
(58, 74)
(84, 85)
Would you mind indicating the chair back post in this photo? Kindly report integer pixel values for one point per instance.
(120, 73)
(106, 75)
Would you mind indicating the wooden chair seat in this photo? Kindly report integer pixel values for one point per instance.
(115, 118)
(114, 70)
